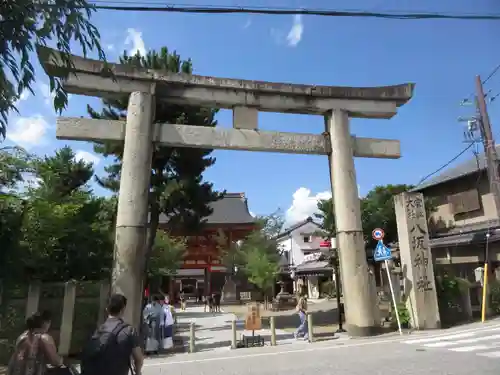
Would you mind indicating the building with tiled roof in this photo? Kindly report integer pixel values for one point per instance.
(202, 272)
(464, 227)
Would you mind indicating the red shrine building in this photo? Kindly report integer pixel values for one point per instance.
(202, 272)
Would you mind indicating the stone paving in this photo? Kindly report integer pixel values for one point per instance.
(213, 330)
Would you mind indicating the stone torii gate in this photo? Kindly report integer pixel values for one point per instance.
(246, 98)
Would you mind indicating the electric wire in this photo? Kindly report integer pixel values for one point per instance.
(115, 5)
(490, 76)
(446, 164)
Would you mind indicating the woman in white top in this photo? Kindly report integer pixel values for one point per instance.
(167, 325)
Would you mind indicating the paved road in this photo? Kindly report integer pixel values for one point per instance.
(480, 341)
(389, 355)
(213, 331)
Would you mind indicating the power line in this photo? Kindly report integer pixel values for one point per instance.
(491, 74)
(447, 164)
(172, 8)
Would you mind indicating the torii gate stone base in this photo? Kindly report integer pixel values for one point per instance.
(246, 99)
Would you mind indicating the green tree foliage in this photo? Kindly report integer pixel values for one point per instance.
(260, 266)
(266, 230)
(166, 256)
(14, 164)
(258, 255)
(177, 186)
(28, 23)
(66, 231)
(377, 211)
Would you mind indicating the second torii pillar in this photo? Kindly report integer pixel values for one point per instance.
(358, 299)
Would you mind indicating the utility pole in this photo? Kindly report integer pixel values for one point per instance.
(489, 144)
(493, 177)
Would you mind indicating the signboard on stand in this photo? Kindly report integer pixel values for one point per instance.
(253, 320)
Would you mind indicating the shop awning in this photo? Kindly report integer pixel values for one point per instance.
(317, 268)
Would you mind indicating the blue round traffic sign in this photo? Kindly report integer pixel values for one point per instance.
(378, 234)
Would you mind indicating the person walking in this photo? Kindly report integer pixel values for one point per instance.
(167, 325)
(183, 300)
(153, 316)
(113, 345)
(301, 309)
(35, 348)
(217, 298)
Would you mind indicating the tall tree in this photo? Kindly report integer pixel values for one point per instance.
(263, 237)
(14, 164)
(166, 256)
(177, 186)
(377, 211)
(27, 23)
(66, 231)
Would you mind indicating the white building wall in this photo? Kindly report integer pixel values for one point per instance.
(296, 246)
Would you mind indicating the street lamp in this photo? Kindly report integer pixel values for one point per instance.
(340, 306)
(235, 269)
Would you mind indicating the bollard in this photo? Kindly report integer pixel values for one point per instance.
(191, 338)
(273, 331)
(233, 330)
(310, 327)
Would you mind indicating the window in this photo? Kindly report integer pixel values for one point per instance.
(307, 239)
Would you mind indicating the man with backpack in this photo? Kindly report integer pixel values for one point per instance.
(113, 345)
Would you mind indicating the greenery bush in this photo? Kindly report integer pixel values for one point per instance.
(450, 292)
(495, 297)
(403, 314)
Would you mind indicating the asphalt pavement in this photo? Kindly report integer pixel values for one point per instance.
(427, 353)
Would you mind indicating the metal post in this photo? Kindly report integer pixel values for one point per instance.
(310, 327)
(337, 292)
(393, 295)
(233, 337)
(273, 330)
(192, 338)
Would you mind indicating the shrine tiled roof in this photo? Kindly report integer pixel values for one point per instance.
(231, 209)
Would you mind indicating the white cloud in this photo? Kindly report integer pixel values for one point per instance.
(28, 131)
(277, 35)
(247, 24)
(110, 47)
(295, 34)
(135, 42)
(48, 96)
(87, 157)
(23, 97)
(304, 205)
(31, 181)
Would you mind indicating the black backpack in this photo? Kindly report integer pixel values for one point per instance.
(99, 353)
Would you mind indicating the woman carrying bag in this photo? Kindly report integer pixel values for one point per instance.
(35, 350)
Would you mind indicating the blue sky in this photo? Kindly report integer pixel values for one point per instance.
(442, 57)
